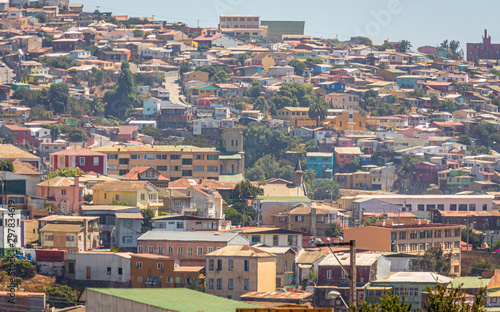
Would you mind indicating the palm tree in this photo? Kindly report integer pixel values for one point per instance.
(318, 110)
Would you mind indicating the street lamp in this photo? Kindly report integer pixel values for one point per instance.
(334, 295)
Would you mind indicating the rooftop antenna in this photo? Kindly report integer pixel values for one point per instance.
(198, 23)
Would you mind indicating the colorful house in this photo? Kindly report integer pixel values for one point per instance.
(151, 106)
(64, 193)
(320, 163)
(345, 155)
(85, 159)
(141, 194)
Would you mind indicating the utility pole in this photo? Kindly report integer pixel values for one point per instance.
(352, 274)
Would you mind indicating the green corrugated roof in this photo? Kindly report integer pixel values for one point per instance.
(470, 282)
(176, 299)
(284, 27)
(284, 198)
(231, 177)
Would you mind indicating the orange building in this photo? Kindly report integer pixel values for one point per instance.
(148, 270)
(339, 119)
(297, 116)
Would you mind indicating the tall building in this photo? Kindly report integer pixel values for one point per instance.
(239, 21)
(484, 50)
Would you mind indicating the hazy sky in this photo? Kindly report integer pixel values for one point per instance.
(423, 22)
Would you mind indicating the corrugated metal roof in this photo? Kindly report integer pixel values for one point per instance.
(344, 258)
(191, 236)
(415, 277)
(240, 251)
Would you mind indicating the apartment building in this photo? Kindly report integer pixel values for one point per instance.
(237, 269)
(413, 239)
(173, 162)
(71, 233)
(188, 247)
(152, 271)
(239, 21)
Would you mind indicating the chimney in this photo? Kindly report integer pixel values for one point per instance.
(313, 222)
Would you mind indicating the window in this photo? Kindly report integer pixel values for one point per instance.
(275, 240)
(161, 168)
(453, 207)
(212, 157)
(329, 274)
(421, 207)
(175, 168)
(179, 250)
(120, 271)
(199, 251)
(112, 156)
(135, 156)
(82, 161)
(164, 156)
(447, 233)
(246, 265)
(343, 275)
(179, 225)
(143, 196)
(210, 283)
(190, 251)
(299, 218)
(230, 284)
(413, 234)
(151, 249)
(219, 264)
(49, 237)
(402, 235)
(138, 265)
(212, 168)
(70, 238)
(160, 250)
(211, 264)
(170, 250)
(187, 161)
(187, 173)
(199, 157)
(485, 207)
(108, 270)
(210, 249)
(219, 284)
(246, 284)
(175, 157)
(63, 192)
(140, 249)
(431, 207)
(159, 266)
(230, 265)
(462, 207)
(198, 168)
(255, 239)
(440, 207)
(472, 207)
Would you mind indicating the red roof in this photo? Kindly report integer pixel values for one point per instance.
(207, 37)
(133, 174)
(16, 128)
(78, 152)
(127, 129)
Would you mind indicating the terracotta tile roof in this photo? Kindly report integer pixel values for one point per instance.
(127, 129)
(134, 173)
(240, 251)
(9, 151)
(24, 168)
(73, 228)
(78, 152)
(125, 186)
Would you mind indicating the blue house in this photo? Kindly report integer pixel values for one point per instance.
(408, 81)
(409, 68)
(320, 163)
(151, 106)
(322, 68)
(332, 86)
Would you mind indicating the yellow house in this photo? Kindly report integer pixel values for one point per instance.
(234, 270)
(361, 180)
(265, 60)
(141, 194)
(297, 116)
(401, 94)
(195, 75)
(173, 162)
(339, 119)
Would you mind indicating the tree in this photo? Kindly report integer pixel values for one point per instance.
(386, 46)
(334, 230)
(138, 33)
(464, 139)
(66, 172)
(404, 46)
(312, 146)
(242, 193)
(42, 17)
(197, 283)
(480, 266)
(261, 104)
(153, 132)
(314, 60)
(284, 173)
(94, 50)
(220, 76)
(447, 106)
(318, 110)
(269, 164)
(24, 269)
(256, 89)
(408, 163)
(388, 302)
(354, 165)
(184, 67)
(59, 97)
(61, 296)
(123, 98)
(10, 139)
(77, 135)
(434, 260)
(325, 189)
(242, 57)
(475, 239)
(256, 173)
(453, 299)
(298, 67)
(38, 112)
(376, 157)
(147, 220)
(196, 141)
(6, 165)
(47, 41)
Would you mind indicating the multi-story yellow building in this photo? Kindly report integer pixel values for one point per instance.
(339, 119)
(173, 162)
(297, 116)
(413, 239)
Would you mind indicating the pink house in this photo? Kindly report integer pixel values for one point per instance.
(64, 193)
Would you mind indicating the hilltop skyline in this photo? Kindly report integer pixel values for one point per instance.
(411, 20)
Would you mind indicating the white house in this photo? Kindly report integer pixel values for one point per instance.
(99, 266)
(151, 106)
(143, 123)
